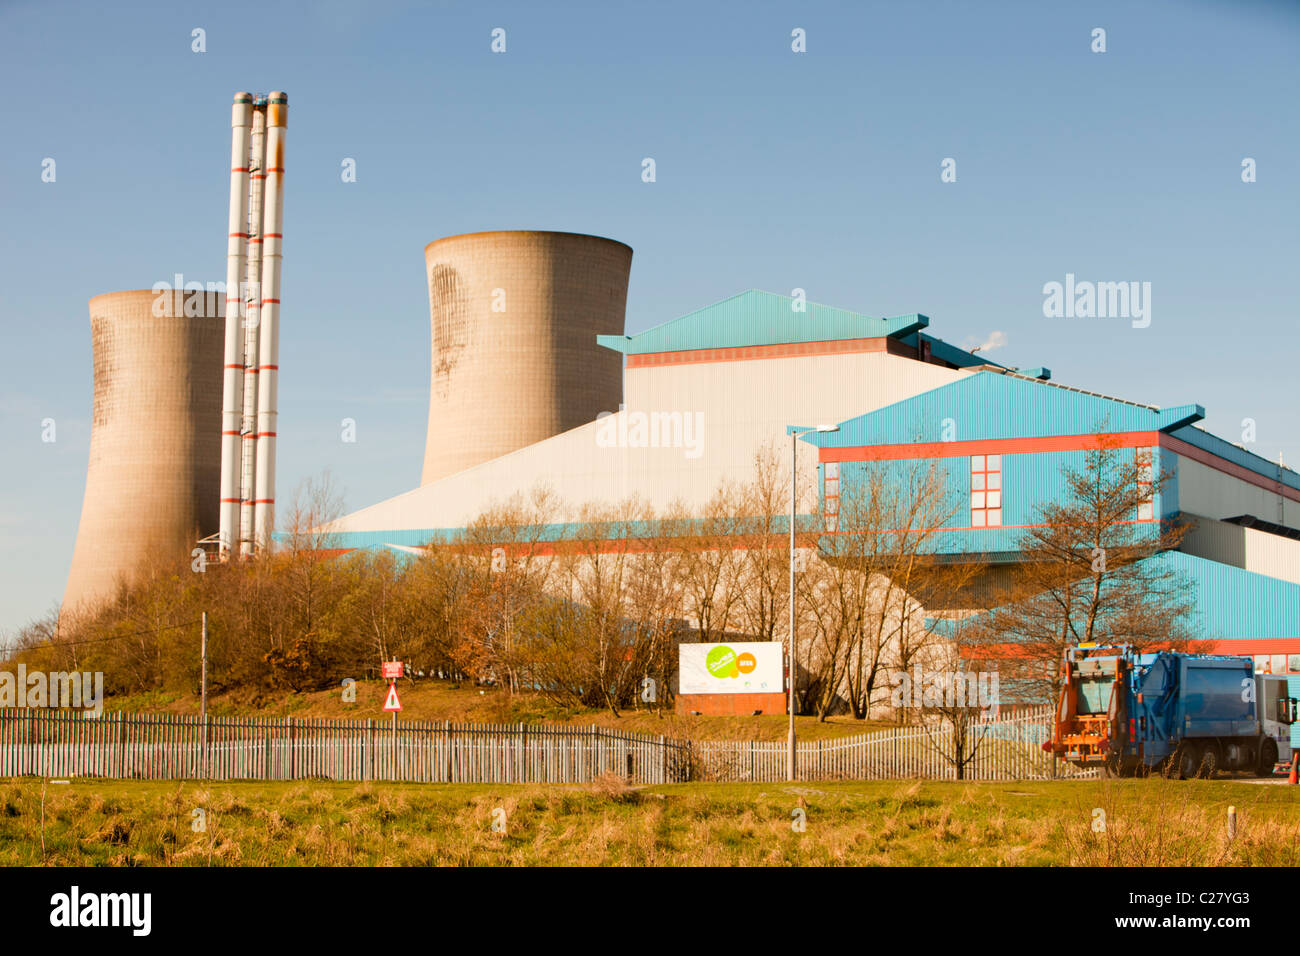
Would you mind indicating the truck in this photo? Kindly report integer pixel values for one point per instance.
(1182, 715)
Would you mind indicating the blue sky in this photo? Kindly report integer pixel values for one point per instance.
(775, 170)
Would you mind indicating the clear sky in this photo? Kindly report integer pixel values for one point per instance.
(775, 170)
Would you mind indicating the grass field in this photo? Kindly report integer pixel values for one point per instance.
(441, 700)
(1146, 822)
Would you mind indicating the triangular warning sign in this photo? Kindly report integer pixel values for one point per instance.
(392, 703)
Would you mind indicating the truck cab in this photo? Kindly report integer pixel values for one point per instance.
(1278, 712)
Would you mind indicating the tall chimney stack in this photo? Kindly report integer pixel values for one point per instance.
(232, 389)
(253, 256)
(277, 119)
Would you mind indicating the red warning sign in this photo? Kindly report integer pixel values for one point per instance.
(393, 702)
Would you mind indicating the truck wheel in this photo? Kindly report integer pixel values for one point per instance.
(1186, 760)
(1209, 761)
(1267, 759)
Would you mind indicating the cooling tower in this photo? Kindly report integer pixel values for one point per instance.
(514, 318)
(155, 443)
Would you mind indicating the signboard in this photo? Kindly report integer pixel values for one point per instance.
(393, 703)
(391, 670)
(736, 667)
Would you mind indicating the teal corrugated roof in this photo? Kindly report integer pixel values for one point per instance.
(990, 405)
(760, 318)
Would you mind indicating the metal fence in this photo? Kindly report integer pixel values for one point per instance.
(166, 747)
(1008, 748)
(53, 743)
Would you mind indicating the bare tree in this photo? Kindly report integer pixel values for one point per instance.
(763, 539)
(509, 550)
(830, 598)
(1084, 573)
(310, 581)
(708, 563)
(886, 545)
(591, 638)
(955, 702)
(309, 526)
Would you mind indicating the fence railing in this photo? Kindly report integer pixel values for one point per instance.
(58, 744)
(166, 746)
(1008, 748)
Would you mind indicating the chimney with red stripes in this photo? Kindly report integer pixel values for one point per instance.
(253, 251)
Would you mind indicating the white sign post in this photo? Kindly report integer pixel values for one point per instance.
(392, 670)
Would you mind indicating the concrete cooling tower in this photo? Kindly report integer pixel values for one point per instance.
(153, 484)
(515, 317)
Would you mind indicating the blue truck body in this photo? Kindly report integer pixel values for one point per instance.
(1184, 714)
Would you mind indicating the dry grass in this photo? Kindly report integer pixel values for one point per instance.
(1159, 822)
(611, 786)
(1148, 822)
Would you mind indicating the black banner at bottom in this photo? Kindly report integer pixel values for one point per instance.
(635, 906)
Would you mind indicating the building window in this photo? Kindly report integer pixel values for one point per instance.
(831, 494)
(1146, 509)
(986, 491)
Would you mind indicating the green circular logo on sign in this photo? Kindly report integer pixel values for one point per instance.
(721, 662)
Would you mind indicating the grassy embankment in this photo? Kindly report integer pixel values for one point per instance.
(1147, 822)
(441, 700)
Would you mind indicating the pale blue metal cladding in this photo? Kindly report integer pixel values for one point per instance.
(761, 318)
(991, 407)
(1227, 603)
(988, 407)
(1230, 604)
(1235, 604)
(1028, 481)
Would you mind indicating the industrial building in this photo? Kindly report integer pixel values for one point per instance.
(534, 383)
(1003, 439)
(701, 396)
(182, 449)
(514, 316)
(155, 443)
(704, 393)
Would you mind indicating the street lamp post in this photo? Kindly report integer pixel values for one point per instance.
(795, 432)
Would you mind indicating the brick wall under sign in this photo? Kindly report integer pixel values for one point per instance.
(731, 705)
